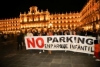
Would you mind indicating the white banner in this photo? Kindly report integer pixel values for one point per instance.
(66, 42)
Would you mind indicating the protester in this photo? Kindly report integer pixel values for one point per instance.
(65, 33)
(40, 34)
(5, 37)
(97, 49)
(19, 41)
(49, 33)
(29, 34)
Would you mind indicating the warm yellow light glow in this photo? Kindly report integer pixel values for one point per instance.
(59, 26)
(74, 25)
(66, 25)
(50, 24)
(41, 18)
(97, 26)
(44, 18)
(47, 18)
(30, 19)
(25, 19)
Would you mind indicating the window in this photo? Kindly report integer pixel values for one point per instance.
(70, 17)
(64, 17)
(55, 22)
(53, 18)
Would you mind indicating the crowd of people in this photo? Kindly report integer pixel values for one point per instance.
(81, 32)
(20, 36)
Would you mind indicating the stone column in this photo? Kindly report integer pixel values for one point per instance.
(94, 26)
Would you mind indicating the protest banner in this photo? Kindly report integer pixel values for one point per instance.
(74, 43)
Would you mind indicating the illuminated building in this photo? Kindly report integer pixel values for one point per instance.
(87, 18)
(10, 25)
(90, 15)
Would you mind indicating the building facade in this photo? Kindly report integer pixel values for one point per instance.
(90, 15)
(10, 25)
(87, 18)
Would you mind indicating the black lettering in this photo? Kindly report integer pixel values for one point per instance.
(62, 39)
(88, 48)
(63, 46)
(47, 45)
(49, 39)
(80, 47)
(55, 46)
(92, 49)
(82, 40)
(55, 40)
(89, 41)
(75, 39)
(85, 48)
(70, 46)
(74, 46)
(69, 39)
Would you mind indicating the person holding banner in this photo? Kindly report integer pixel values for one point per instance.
(19, 41)
(30, 34)
(40, 34)
(55, 32)
(97, 48)
(74, 32)
(65, 33)
(49, 33)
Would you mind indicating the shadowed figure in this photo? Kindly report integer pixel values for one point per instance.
(19, 41)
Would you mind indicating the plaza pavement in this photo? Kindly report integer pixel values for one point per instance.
(10, 57)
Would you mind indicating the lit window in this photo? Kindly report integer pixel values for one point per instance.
(30, 19)
(59, 26)
(70, 17)
(66, 25)
(55, 21)
(55, 26)
(59, 21)
(70, 20)
(25, 19)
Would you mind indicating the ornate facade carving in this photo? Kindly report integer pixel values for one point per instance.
(89, 15)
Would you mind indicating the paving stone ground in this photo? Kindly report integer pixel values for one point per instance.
(10, 57)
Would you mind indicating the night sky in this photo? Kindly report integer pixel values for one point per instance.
(12, 8)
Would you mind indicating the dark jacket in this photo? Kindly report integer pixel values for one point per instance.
(19, 38)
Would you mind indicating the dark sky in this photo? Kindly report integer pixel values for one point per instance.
(12, 8)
